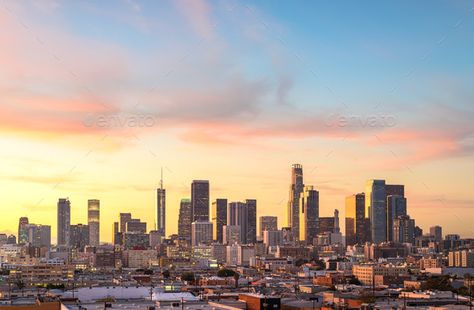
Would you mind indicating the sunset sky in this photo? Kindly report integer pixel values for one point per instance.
(96, 96)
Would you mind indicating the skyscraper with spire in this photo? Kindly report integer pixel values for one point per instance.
(296, 188)
(161, 208)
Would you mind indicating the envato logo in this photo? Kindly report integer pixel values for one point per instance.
(371, 121)
(119, 120)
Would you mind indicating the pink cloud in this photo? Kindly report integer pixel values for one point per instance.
(198, 15)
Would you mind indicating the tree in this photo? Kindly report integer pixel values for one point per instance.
(236, 278)
(188, 276)
(166, 274)
(224, 273)
(20, 285)
(354, 281)
(300, 262)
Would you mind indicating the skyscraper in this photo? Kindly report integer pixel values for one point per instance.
(309, 214)
(201, 233)
(124, 218)
(39, 235)
(79, 236)
(185, 219)
(161, 208)
(200, 200)
(219, 218)
(296, 188)
(267, 223)
(23, 230)
(396, 206)
(93, 219)
(437, 233)
(404, 229)
(64, 221)
(375, 204)
(116, 233)
(252, 220)
(357, 228)
(237, 215)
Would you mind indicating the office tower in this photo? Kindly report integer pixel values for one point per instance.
(395, 190)
(136, 239)
(267, 223)
(437, 233)
(23, 230)
(237, 215)
(356, 230)
(218, 218)
(115, 232)
(11, 239)
(161, 208)
(200, 200)
(184, 220)
(231, 234)
(39, 235)
(93, 219)
(296, 188)
(124, 218)
(337, 228)
(201, 233)
(396, 206)
(135, 226)
(64, 221)
(251, 220)
(375, 204)
(79, 236)
(272, 237)
(326, 224)
(309, 214)
(404, 229)
(155, 238)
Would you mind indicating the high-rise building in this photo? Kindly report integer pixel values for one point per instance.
(219, 218)
(161, 208)
(201, 233)
(356, 225)
(437, 233)
(93, 219)
(309, 214)
(267, 223)
(395, 190)
(124, 218)
(200, 200)
(396, 206)
(375, 204)
(79, 236)
(272, 238)
(252, 220)
(64, 221)
(39, 235)
(116, 233)
(238, 215)
(23, 230)
(185, 219)
(404, 229)
(296, 188)
(136, 226)
(231, 234)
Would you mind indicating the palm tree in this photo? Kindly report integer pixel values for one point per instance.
(20, 285)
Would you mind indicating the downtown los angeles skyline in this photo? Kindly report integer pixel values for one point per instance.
(233, 93)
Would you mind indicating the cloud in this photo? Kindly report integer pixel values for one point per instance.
(198, 15)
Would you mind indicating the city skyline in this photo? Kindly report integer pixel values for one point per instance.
(234, 93)
(392, 202)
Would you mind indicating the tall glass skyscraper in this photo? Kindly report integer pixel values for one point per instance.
(252, 220)
(396, 206)
(93, 219)
(200, 200)
(161, 209)
(296, 188)
(64, 221)
(357, 227)
(219, 218)
(23, 230)
(309, 214)
(375, 203)
(185, 219)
